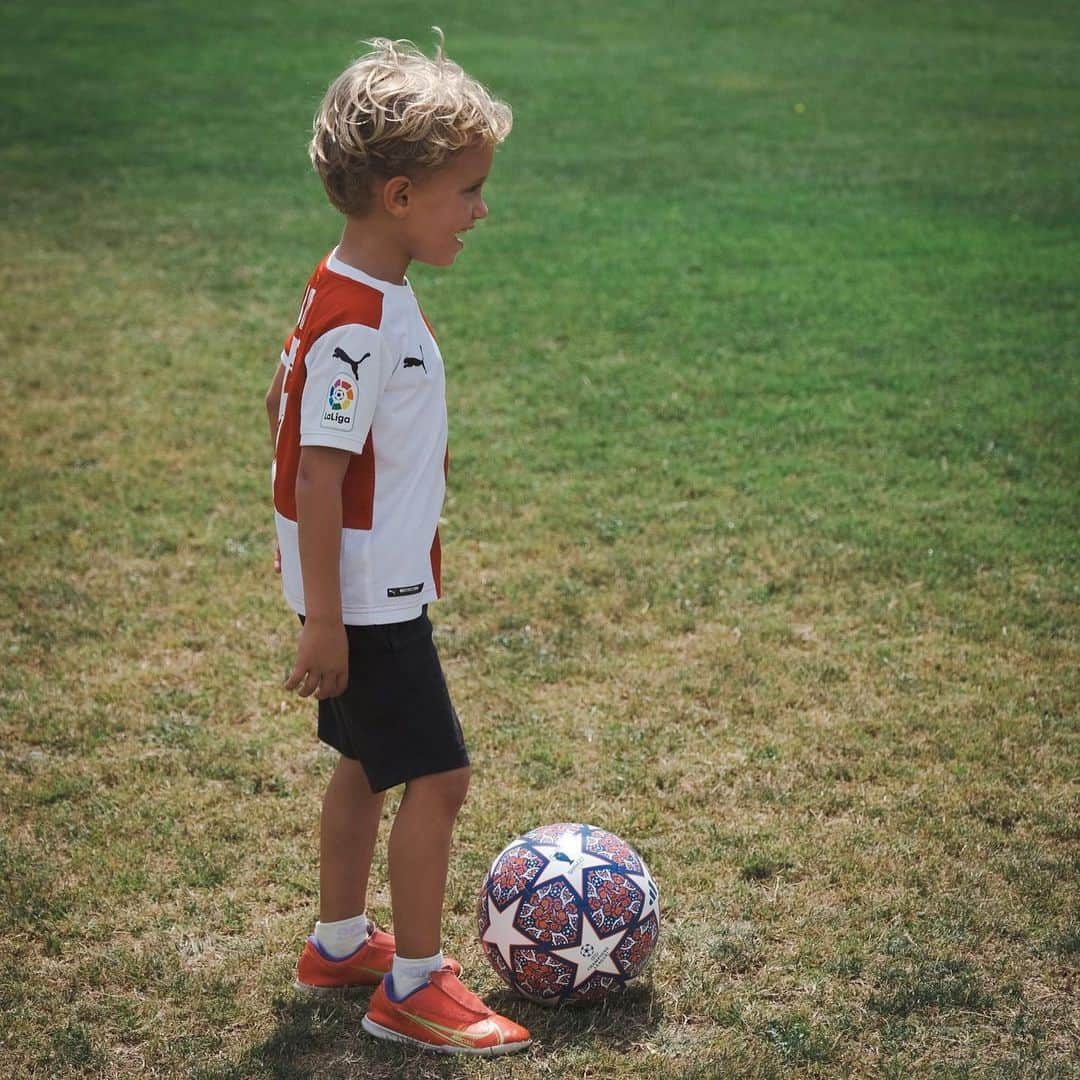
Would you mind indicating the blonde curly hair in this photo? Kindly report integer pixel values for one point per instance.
(396, 112)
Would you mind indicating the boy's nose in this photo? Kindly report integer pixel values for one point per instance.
(481, 210)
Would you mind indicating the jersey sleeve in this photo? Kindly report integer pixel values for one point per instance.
(346, 370)
(288, 350)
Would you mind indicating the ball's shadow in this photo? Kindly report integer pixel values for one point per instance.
(621, 1021)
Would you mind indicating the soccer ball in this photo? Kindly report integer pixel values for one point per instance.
(568, 913)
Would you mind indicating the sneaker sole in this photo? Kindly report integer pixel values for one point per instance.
(390, 1035)
(333, 991)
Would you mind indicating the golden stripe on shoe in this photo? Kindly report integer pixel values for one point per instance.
(443, 1016)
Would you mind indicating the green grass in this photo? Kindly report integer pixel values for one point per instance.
(761, 545)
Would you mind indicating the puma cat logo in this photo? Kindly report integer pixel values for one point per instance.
(341, 354)
(416, 361)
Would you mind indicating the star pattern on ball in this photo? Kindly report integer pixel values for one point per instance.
(593, 954)
(568, 912)
(567, 859)
(648, 887)
(502, 933)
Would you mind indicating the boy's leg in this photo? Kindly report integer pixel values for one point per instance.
(345, 951)
(435, 1011)
(348, 830)
(419, 856)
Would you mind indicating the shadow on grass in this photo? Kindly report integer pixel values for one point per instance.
(324, 1038)
(305, 1030)
(620, 1022)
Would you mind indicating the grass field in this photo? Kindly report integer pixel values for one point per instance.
(761, 547)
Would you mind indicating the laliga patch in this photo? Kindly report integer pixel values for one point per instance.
(340, 405)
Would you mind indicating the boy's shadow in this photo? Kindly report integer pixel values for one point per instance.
(322, 1037)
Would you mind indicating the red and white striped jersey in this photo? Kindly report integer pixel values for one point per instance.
(364, 374)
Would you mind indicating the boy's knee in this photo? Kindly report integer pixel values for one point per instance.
(446, 790)
(455, 787)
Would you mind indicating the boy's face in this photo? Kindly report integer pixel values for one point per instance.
(446, 203)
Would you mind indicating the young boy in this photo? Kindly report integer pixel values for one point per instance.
(403, 145)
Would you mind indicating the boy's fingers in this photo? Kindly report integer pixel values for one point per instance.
(308, 681)
(296, 678)
(331, 685)
(342, 683)
(309, 684)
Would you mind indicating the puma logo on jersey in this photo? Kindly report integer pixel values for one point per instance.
(341, 354)
(416, 361)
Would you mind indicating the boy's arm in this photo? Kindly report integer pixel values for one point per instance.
(322, 654)
(273, 401)
(273, 411)
(345, 378)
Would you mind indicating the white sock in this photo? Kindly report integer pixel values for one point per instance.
(342, 938)
(410, 975)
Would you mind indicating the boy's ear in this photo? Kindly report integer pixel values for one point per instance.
(396, 195)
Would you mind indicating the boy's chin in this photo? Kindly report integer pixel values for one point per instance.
(446, 259)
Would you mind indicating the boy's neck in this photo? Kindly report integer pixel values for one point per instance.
(368, 247)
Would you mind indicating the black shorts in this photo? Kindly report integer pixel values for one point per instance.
(395, 717)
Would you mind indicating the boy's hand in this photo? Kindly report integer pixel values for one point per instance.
(322, 660)
(277, 559)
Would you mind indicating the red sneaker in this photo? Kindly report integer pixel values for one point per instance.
(316, 972)
(443, 1016)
